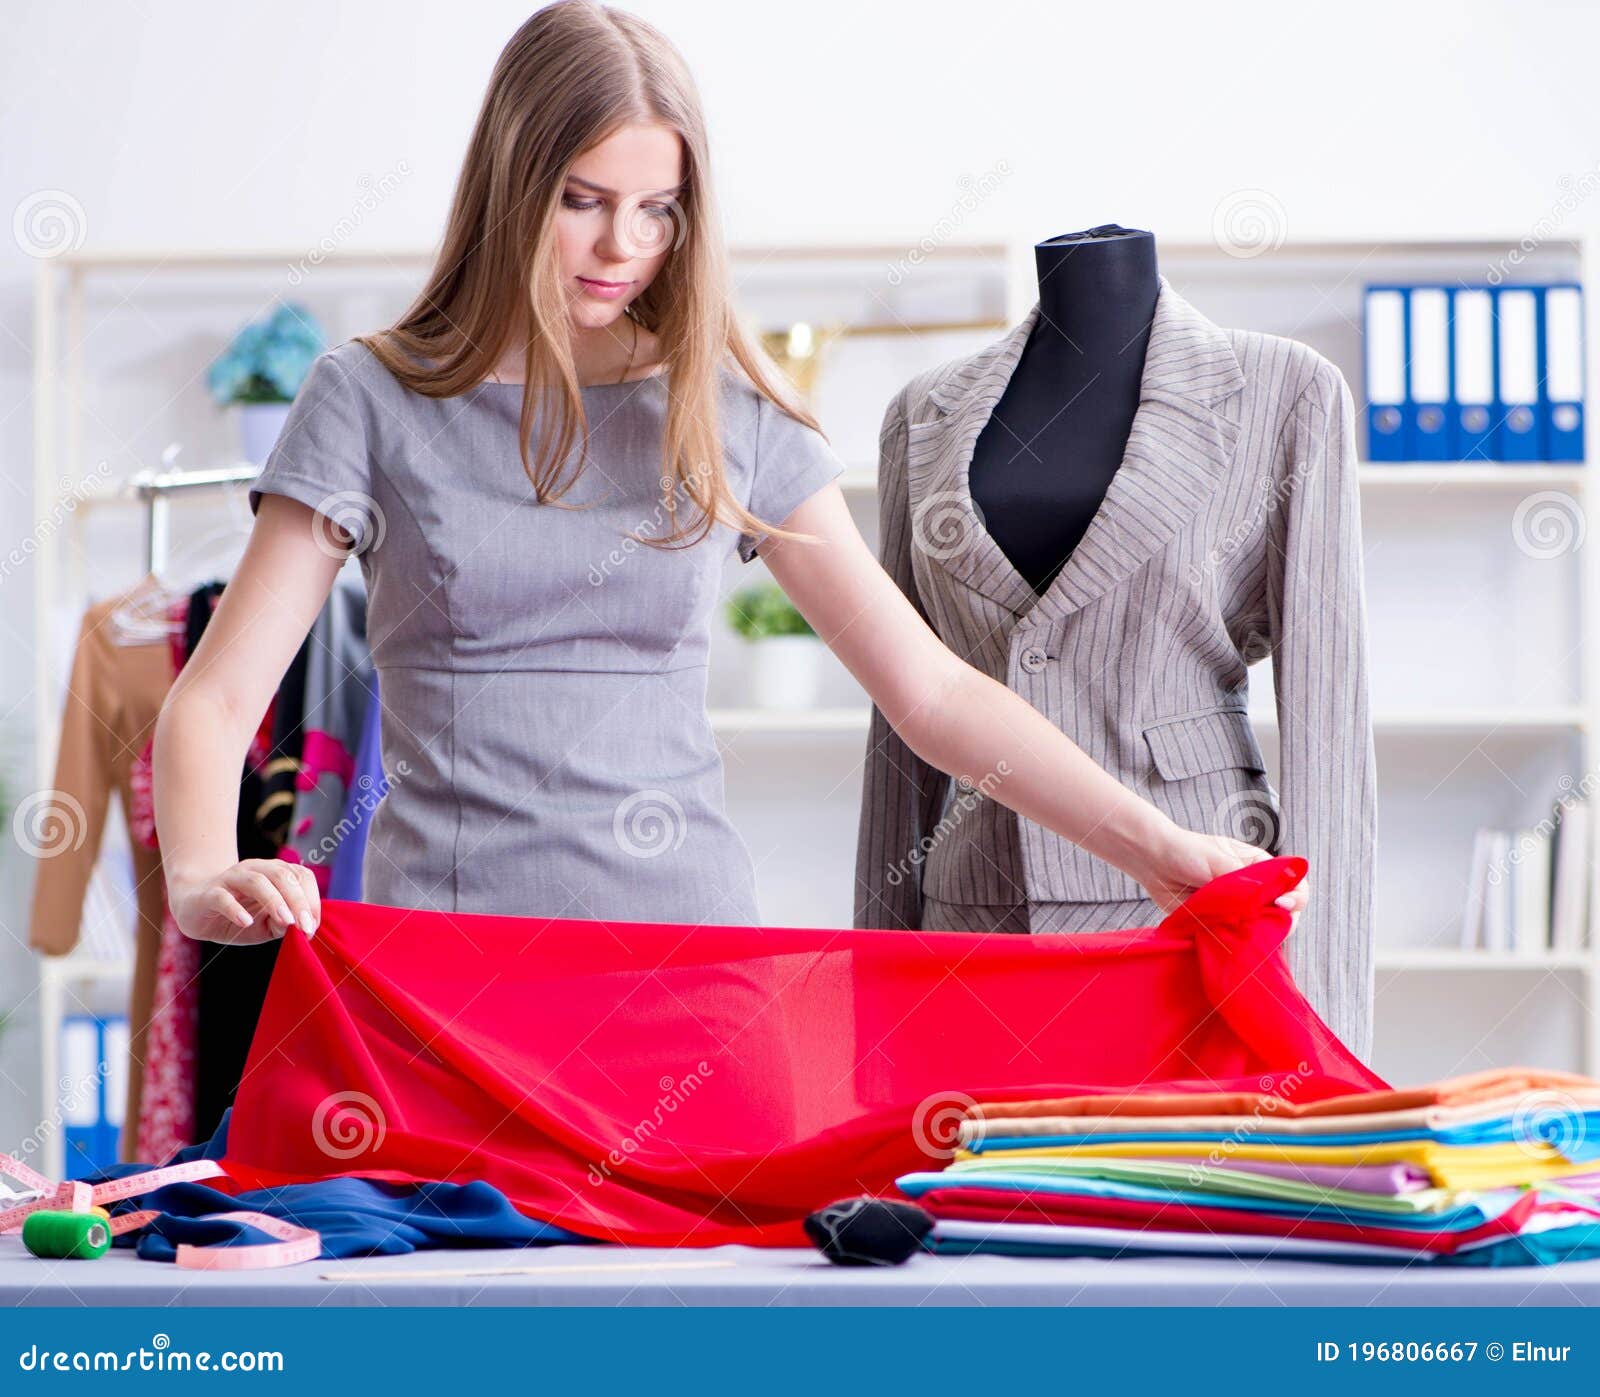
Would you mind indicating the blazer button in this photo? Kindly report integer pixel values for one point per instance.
(1033, 659)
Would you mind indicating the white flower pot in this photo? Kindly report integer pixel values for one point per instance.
(259, 427)
(787, 671)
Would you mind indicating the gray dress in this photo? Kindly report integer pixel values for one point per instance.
(543, 676)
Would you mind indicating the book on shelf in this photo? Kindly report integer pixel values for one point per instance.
(1569, 903)
(1529, 891)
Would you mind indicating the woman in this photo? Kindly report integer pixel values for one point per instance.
(540, 624)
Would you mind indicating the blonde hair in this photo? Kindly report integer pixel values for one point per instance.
(572, 75)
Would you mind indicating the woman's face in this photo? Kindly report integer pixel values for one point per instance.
(619, 220)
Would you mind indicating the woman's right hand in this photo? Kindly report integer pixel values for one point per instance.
(251, 901)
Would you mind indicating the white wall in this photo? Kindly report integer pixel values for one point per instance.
(247, 125)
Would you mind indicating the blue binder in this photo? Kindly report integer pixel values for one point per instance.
(1428, 396)
(93, 1073)
(1472, 372)
(1387, 438)
(1562, 381)
(81, 1050)
(1517, 373)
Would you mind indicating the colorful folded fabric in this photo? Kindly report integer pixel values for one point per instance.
(1500, 1163)
(977, 1205)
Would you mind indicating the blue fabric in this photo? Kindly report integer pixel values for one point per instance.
(1465, 1216)
(1576, 1136)
(1577, 1243)
(367, 786)
(356, 1217)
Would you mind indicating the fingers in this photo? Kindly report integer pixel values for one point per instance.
(224, 904)
(299, 890)
(283, 893)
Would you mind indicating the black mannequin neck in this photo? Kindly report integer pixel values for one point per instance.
(1097, 291)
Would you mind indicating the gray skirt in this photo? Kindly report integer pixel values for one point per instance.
(1035, 917)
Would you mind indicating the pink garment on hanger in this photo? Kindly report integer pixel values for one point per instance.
(166, 1105)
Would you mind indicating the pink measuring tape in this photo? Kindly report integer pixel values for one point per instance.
(294, 1244)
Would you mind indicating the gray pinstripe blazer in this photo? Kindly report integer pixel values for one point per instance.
(1231, 532)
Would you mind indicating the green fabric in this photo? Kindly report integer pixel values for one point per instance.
(1237, 1182)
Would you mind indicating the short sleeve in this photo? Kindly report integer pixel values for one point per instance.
(322, 457)
(792, 462)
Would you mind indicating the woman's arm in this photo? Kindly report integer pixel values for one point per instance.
(958, 719)
(203, 734)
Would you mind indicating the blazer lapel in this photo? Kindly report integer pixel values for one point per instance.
(945, 523)
(1179, 449)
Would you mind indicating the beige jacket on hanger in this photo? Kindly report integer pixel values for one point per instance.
(1230, 533)
(113, 697)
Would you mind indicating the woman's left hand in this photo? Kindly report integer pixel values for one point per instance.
(1187, 861)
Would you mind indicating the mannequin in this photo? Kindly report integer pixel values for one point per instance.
(1047, 455)
(1148, 504)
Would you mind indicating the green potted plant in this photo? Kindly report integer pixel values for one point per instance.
(786, 652)
(262, 370)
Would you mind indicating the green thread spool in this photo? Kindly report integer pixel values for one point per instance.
(66, 1236)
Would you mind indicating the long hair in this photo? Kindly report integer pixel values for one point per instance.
(571, 75)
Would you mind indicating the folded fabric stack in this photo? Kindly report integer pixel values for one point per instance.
(1492, 1169)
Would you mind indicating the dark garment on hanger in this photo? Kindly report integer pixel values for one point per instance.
(234, 979)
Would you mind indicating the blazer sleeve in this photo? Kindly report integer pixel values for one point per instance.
(901, 795)
(1319, 662)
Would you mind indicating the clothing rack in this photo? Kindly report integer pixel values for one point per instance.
(156, 487)
(60, 977)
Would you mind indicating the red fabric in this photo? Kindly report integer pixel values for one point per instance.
(989, 1205)
(676, 1085)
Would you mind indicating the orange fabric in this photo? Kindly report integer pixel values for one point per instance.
(1470, 1089)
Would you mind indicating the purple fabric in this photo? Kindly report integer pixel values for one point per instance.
(1387, 1179)
(365, 791)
